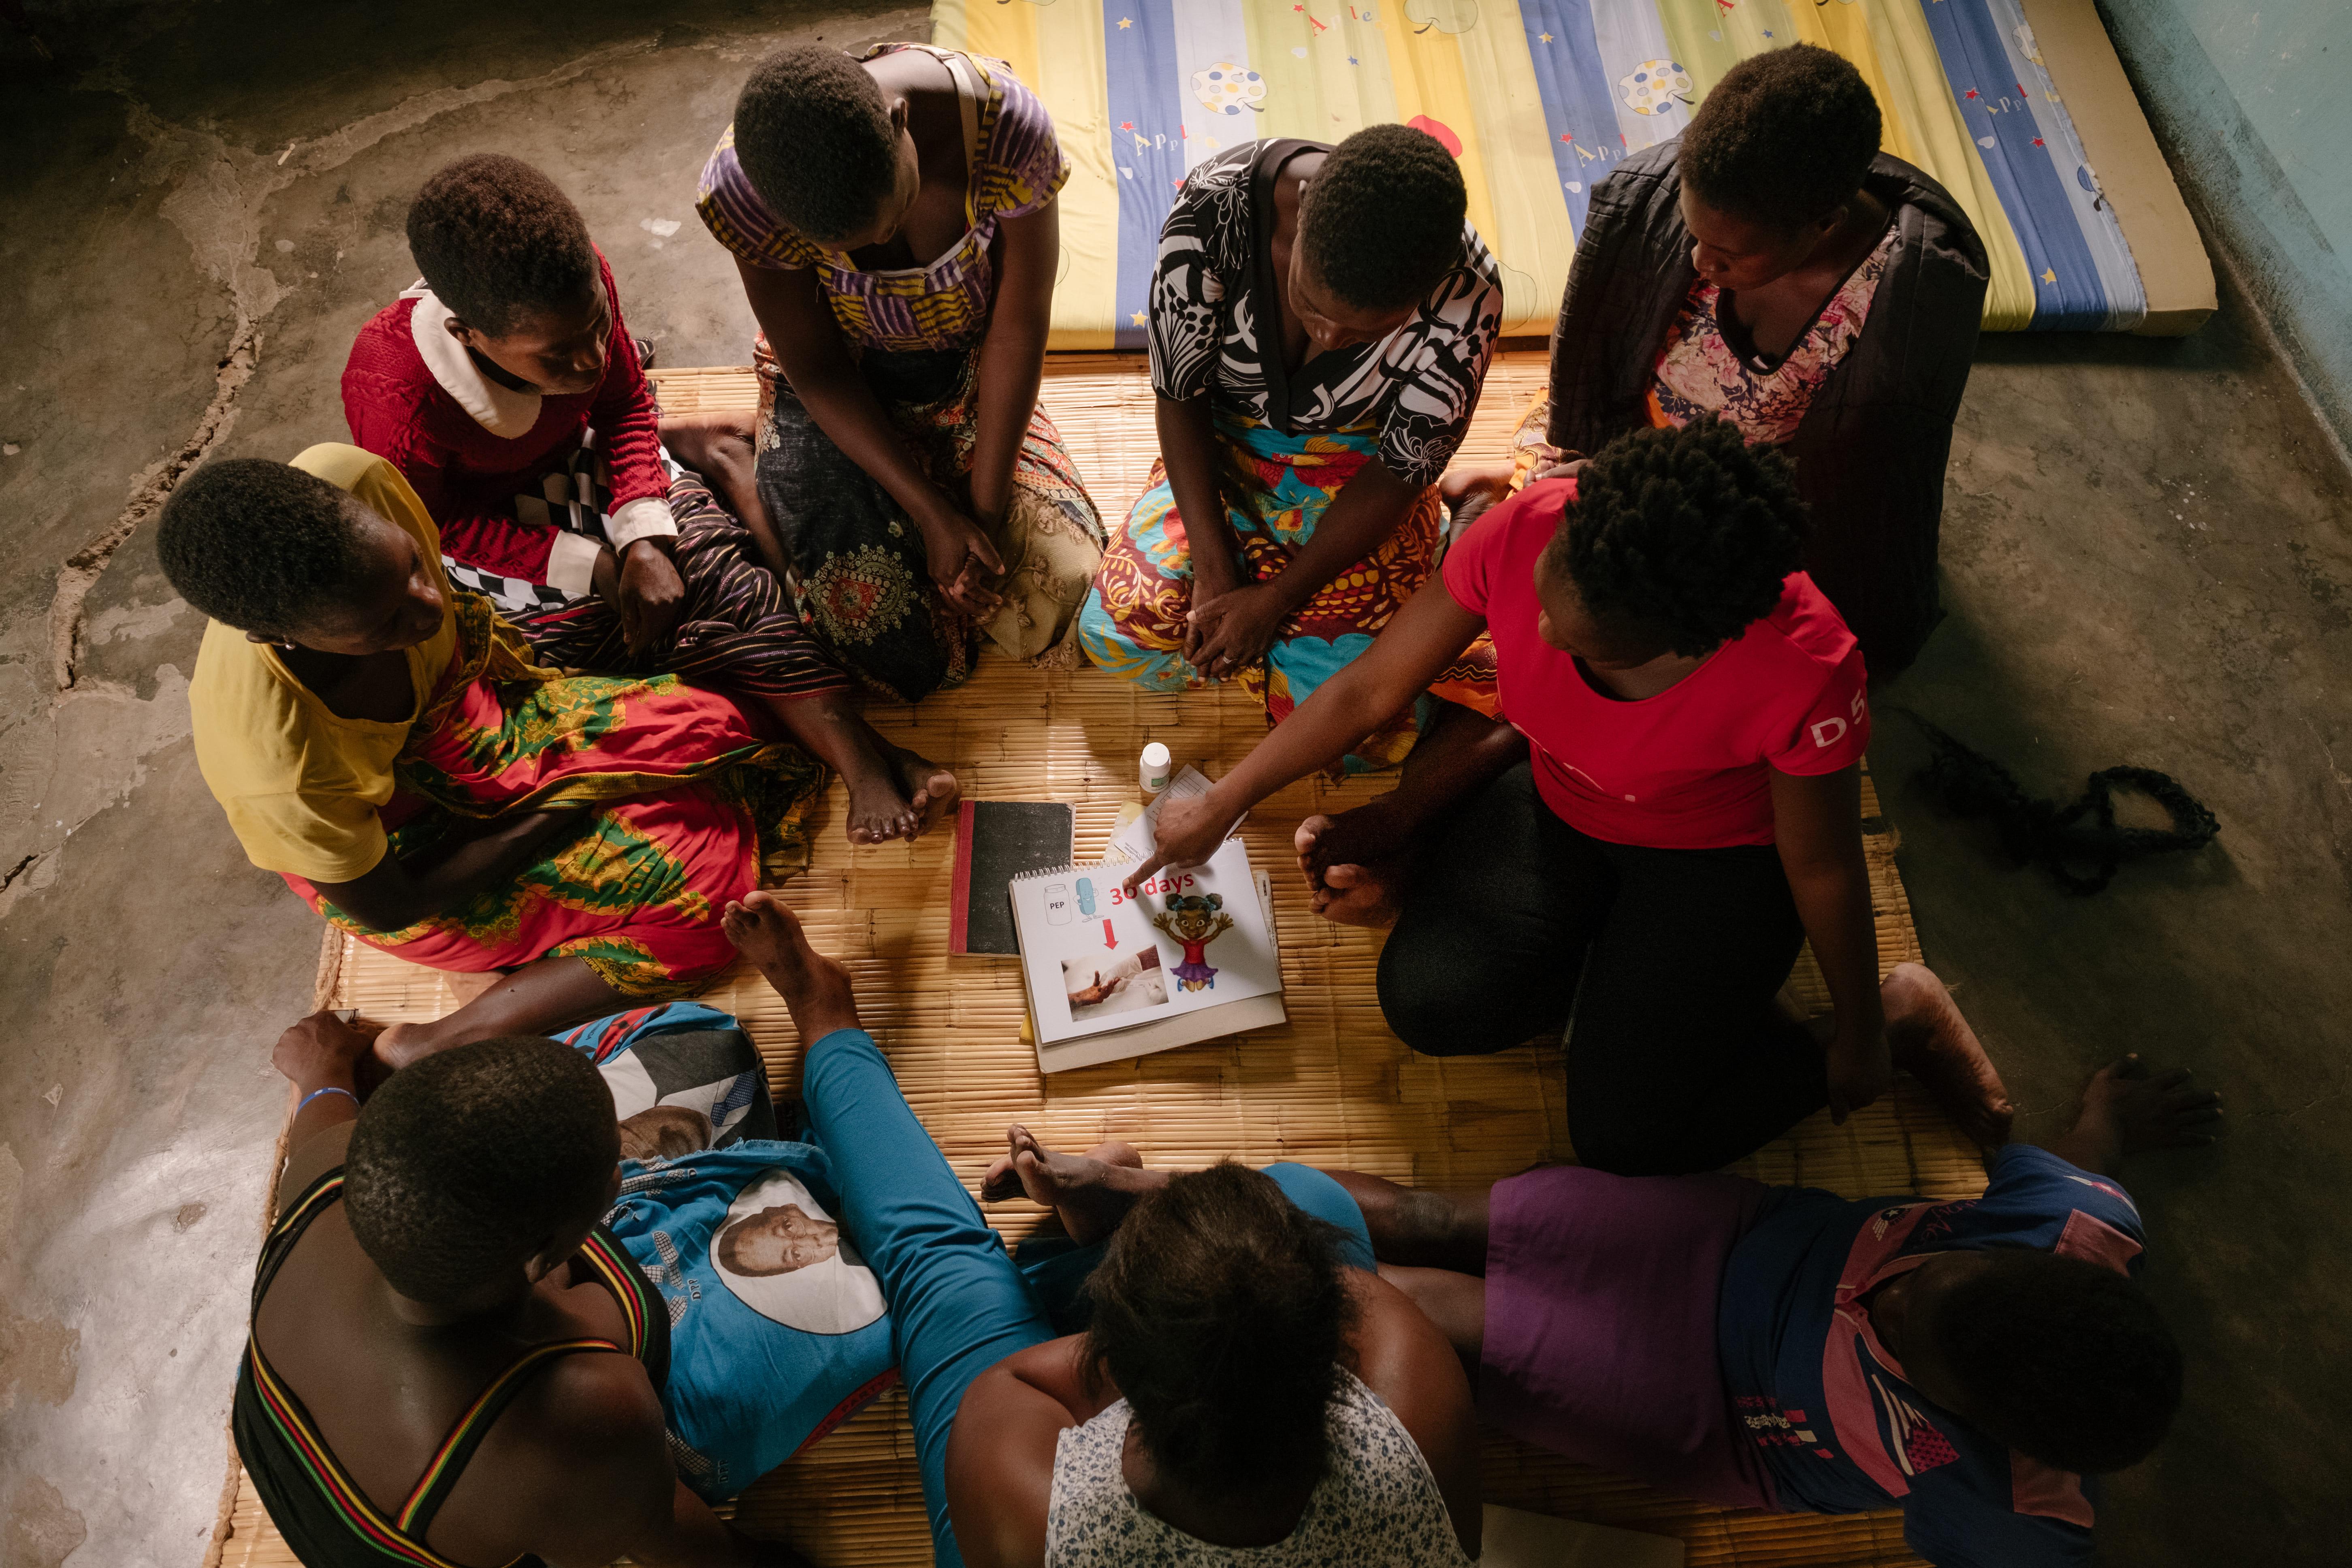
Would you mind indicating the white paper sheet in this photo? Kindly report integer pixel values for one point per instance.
(1136, 841)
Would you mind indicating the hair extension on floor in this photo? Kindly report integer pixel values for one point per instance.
(2063, 839)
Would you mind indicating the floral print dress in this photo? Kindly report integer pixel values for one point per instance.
(1709, 365)
(1378, 1506)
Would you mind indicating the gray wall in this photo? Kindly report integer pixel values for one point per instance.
(2250, 101)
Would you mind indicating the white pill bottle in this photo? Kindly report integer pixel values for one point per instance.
(1152, 772)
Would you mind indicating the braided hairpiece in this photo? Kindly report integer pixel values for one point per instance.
(2063, 839)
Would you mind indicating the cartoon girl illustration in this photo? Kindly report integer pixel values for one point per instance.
(1196, 920)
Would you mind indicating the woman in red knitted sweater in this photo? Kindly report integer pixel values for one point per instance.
(505, 387)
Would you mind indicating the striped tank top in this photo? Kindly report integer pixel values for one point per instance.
(323, 1514)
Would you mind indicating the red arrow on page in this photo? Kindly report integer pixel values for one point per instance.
(1110, 937)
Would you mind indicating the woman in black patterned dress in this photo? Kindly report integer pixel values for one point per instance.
(1321, 323)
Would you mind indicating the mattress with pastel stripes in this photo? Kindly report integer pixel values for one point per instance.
(1539, 99)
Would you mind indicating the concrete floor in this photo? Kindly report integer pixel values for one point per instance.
(2148, 560)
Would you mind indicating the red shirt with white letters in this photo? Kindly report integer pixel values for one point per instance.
(1688, 769)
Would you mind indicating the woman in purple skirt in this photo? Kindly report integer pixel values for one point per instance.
(1970, 1361)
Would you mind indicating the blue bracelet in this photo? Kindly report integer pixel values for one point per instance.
(315, 1093)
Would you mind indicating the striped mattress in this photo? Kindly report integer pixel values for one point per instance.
(1539, 99)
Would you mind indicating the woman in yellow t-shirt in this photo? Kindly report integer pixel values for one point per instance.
(386, 745)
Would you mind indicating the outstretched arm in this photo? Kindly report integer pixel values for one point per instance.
(1013, 355)
(1413, 650)
(1817, 827)
(320, 1057)
(1402, 1357)
(398, 893)
(1001, 1454)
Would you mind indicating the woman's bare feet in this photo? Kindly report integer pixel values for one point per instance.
(816, 991)
(898, 794)
(1930, 1040)
(1356, 875)
(1092, 1191)
(893, 793)
(1469, 488)
(879, 810)
(932, 790)
(2126, 1110)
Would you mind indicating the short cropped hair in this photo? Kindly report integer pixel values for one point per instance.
(257, 545)
(2063, 1360)
(1688, 533)
(1383, 218)
(1783, 138)
(496, 238)
(462, 1166)
(814, 139)
(1219, 1310)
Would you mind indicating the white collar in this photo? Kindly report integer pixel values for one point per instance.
(500, 410)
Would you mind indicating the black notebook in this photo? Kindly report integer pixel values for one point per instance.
(997, 840)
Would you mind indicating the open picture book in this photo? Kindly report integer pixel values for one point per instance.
(1190, 956)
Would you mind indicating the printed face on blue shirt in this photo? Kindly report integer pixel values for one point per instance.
(777, 1241)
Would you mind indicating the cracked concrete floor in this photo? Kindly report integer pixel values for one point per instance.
(2146, 555)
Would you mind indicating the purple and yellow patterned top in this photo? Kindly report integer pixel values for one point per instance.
(1016, 167)
(1699, 370)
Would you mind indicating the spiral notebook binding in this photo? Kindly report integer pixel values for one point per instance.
(1068, 866)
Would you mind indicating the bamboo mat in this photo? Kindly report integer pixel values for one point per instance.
(1332, 1087)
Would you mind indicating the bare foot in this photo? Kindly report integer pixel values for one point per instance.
(816, 990)
(1359, 896)
(932, 791)
(1929, 1039)
(1469, 488)
(893, 793)
(398, 1045)
(1092, 1191)
(878, 809)
(1005, 1180)
(2126, 1110)
(1347, 892)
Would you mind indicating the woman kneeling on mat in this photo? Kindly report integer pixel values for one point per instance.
(894, 222)
(1246, 1382)
(1321, 323)
(1756, 1346)
(1674, 809)
(391, 748)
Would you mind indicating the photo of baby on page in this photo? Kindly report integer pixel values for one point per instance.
(1119, 982)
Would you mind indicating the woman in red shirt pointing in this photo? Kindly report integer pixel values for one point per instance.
(1674, 810)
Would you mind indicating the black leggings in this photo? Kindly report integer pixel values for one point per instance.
(1668, 959)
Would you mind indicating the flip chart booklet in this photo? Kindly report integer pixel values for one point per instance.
(1191, 957)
